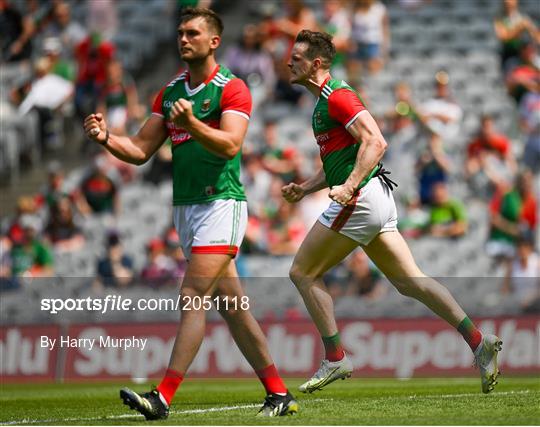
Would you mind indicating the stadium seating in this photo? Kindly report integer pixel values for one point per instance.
(453, 35)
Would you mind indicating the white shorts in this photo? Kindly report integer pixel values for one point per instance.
(371, 212)
(217, 227)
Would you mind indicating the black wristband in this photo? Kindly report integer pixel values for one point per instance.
(106, 138)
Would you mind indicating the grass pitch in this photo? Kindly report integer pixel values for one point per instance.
(458, 401)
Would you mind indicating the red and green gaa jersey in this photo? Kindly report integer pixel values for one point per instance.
(337, 108)
(200, 176)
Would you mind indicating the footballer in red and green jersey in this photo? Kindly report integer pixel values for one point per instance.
(200, 176)
(337, 108)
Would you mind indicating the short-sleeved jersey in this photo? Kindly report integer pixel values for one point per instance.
(337, 108)
(200, 176)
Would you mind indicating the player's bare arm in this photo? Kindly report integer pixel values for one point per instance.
(293, 192)
(136, 149)
(372, 147)
(224, 142)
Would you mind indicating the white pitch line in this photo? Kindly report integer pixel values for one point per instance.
(233, 408)
(122, 416)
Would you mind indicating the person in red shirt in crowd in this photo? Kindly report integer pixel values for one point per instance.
(511, 212)
(489, 155)
(99, 190)
(525, 77)
(93, 56)
(298, 16)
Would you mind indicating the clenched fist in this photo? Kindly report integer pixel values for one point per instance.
(292, 192)
(341, 194)
(181, 113)
(95, 128)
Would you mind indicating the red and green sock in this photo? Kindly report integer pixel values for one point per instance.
(272, 382)
(470, 333)
(169, 384)
(332, 348)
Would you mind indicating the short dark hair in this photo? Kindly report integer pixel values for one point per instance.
(319, 44)
(212, 18)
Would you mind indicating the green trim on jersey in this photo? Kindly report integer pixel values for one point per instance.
(200, 176)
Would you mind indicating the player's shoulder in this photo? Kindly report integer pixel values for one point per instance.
(335, 85)
(224, 77)
(177, 79)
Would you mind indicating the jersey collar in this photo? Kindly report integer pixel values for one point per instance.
(323, 84)
(192, 92)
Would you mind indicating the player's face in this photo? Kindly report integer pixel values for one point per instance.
(300, 66)
(196, 41)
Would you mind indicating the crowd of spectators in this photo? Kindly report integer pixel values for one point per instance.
(62, 69)
(84, 57)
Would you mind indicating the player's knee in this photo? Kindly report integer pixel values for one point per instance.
(301, 276)
(189, 293)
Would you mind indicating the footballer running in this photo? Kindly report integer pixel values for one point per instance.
(362, 213)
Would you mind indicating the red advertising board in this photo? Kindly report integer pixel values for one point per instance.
(382, 347)
(25, 355)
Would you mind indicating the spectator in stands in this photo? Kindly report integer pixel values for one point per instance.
(286, 230)
(441, 115)
(257, 181)
(432, 167)
(522, 277)
(249, 61)
(61, 230)
(529, 111)
(161, 165)
(297, 17)
(529, 115)
(7, 280)
(99, 190)
(52, 49)
(524, 77)
(93, 55)
(30, 255)
(118, 100)
(286, 163)
(116, 268)
(54, 189)
(447, 217)
(510, 27)
(174, 252)
(336, 21)
(17, 31)
(47, 94)
(68, 32)
(510, 212)
(401, 120)
(160, 268)
(490, 161)
(413, 222)
(370, 36)
(26, 207)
